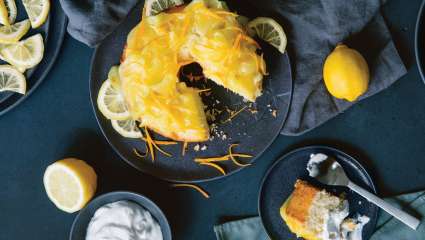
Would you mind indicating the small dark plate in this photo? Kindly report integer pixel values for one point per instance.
(53, 32)
(253, 132)
(420, 41)
(278, 184)
(81, 222)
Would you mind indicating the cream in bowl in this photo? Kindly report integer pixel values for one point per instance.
(123, 220)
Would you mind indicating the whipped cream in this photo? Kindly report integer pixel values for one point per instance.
(314, 162)
(123, 220)
(352, 228)
(333, 221)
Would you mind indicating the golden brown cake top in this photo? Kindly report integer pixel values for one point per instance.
(299, 205)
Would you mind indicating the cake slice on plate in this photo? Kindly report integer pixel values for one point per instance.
(315, 214)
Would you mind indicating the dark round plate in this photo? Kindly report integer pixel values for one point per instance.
(53, 31)
(419, 41)
(81, 222)
(253, 132)
(278, 185)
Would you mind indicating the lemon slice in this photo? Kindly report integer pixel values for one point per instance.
(114, 77)
(127, 128)
(12, 10)
(70, 183)
(13, 33)
(12, 80)
(4, 14)
(37, 10)
(2, 46)
(153, 7)
(26, 53)
(270, 31)
(111, 102)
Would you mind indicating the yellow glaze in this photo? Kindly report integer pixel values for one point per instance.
(160, 45)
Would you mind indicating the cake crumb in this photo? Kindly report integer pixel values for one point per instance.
(196, 147)
(274, 113)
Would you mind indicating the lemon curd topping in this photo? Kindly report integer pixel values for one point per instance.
(160, 45)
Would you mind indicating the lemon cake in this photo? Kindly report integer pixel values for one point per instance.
(314, 214)
(160, 45)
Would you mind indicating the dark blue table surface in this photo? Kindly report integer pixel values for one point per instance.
(385, 132)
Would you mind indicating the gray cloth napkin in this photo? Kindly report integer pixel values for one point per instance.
(90, 21)
(387, 226)
(313, 27)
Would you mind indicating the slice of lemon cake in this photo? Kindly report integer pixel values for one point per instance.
(314, 214)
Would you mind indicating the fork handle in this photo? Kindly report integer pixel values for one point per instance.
(401, 215)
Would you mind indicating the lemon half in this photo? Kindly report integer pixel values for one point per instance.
(70, 183)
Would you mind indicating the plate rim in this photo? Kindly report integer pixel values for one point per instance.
(419, 24)
(170, 179)
(41, 79)
(124, 193)
(308, 147)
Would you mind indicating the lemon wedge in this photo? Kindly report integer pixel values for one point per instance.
(12, 80)
(4, 14)
(13, 33)
(70, 183)
(25, 53)
(12, 10)
(37, 10)
(153, 7)
(270, 31)
(127, 128)
(111, 102)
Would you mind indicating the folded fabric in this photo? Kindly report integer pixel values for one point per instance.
(387, 226)
(314, 28)
(90, 21)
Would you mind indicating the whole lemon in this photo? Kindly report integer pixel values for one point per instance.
(346, 73)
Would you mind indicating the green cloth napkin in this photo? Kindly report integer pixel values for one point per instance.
(386, 228)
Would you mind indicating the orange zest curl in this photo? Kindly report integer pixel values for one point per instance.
(200, 190)
(152, 144)
(184, 148)
(214, 165)
(232, 157)
(165, 143)
(136, 152)
(233, 115)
